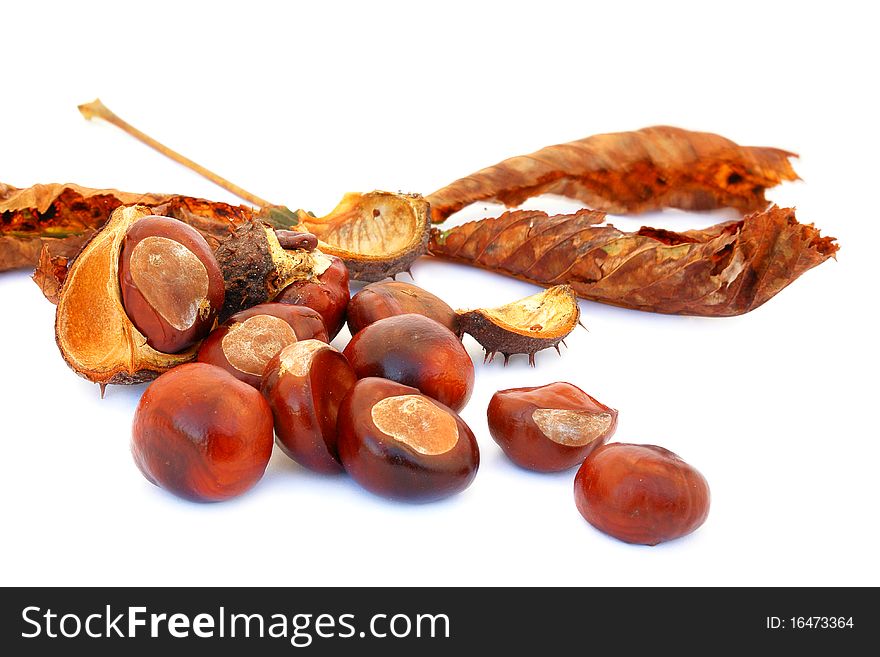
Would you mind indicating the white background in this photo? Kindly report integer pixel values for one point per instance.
(301, 102)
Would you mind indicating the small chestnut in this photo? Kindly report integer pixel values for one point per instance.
(304, 385)
(172, 287)
(201, 433)
(398, 443)
(415, 351)
(328, 295)
(245, 342)
(389, 298)
(549, 428)
(641, 493)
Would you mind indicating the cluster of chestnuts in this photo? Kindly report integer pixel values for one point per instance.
(384, 410)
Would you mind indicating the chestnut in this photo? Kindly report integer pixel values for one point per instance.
(328, 294)
(398, 443)
(549, 428)
(304, 385)
(416, 351)
(641, 493)
(201, 433)
(172, 287)
(245, 342)
(380, 300)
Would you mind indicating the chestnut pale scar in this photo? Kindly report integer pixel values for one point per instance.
(171, 278)
(571, 428)
(297, 358)
(416, 422)
(250, 344)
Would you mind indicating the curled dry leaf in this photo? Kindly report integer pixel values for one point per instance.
(526, 326)
(377, 235)
(628, 172)
(727, 269)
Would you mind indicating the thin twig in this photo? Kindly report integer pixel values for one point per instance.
(97, 109)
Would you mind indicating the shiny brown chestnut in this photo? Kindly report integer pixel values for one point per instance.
(398, 443)
(245, 342)
(304, 384)
(172, 287)
(416, 351)
(202, 434)
(549, 428)
(389, 298)
(328, 294)
(641, 493)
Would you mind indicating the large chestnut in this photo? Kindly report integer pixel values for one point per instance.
(172, 287)
(415, 351)
(389, 298)
(398, 443)
(328, 295)
(641, 493)
(549, 428)
(202, 434)
(250, 338)
(304, 385)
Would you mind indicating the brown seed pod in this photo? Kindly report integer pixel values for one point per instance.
(249, 339)
(256, 267)
(389, 298)
(93, 331)
(416, 351)
(172, 287)
(398, 443)
(549, 428)
(201, 434)
(378, 234)
(327, 293)
(641, 493)
(526, 326)
(304, 384)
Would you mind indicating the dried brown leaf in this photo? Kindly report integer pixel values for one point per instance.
(629, 172)
(63, 217)
(727, 269)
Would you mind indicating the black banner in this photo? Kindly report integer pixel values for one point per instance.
(432, 621)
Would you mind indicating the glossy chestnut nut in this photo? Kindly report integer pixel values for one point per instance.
(389, 298)
(249, 339)
(328, 295)
(304, 385)
(398, 443)
(549, 428)
(415, 351)
(641, 493)
(202, 434)
(172, 287)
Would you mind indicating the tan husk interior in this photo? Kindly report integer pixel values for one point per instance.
(374, 226)
(548, 314)
(92, 330)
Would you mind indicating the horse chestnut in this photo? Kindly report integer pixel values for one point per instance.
(549, 428)
(328, 295)
(304, 385)
(415, 351)
(172, 287)
(389, 298)
(641, 493)
(398, 443)
(250, 338)
(202, 434)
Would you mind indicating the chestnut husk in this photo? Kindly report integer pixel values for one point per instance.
(507, 329)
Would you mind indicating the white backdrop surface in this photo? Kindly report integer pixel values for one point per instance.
(301, 102)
